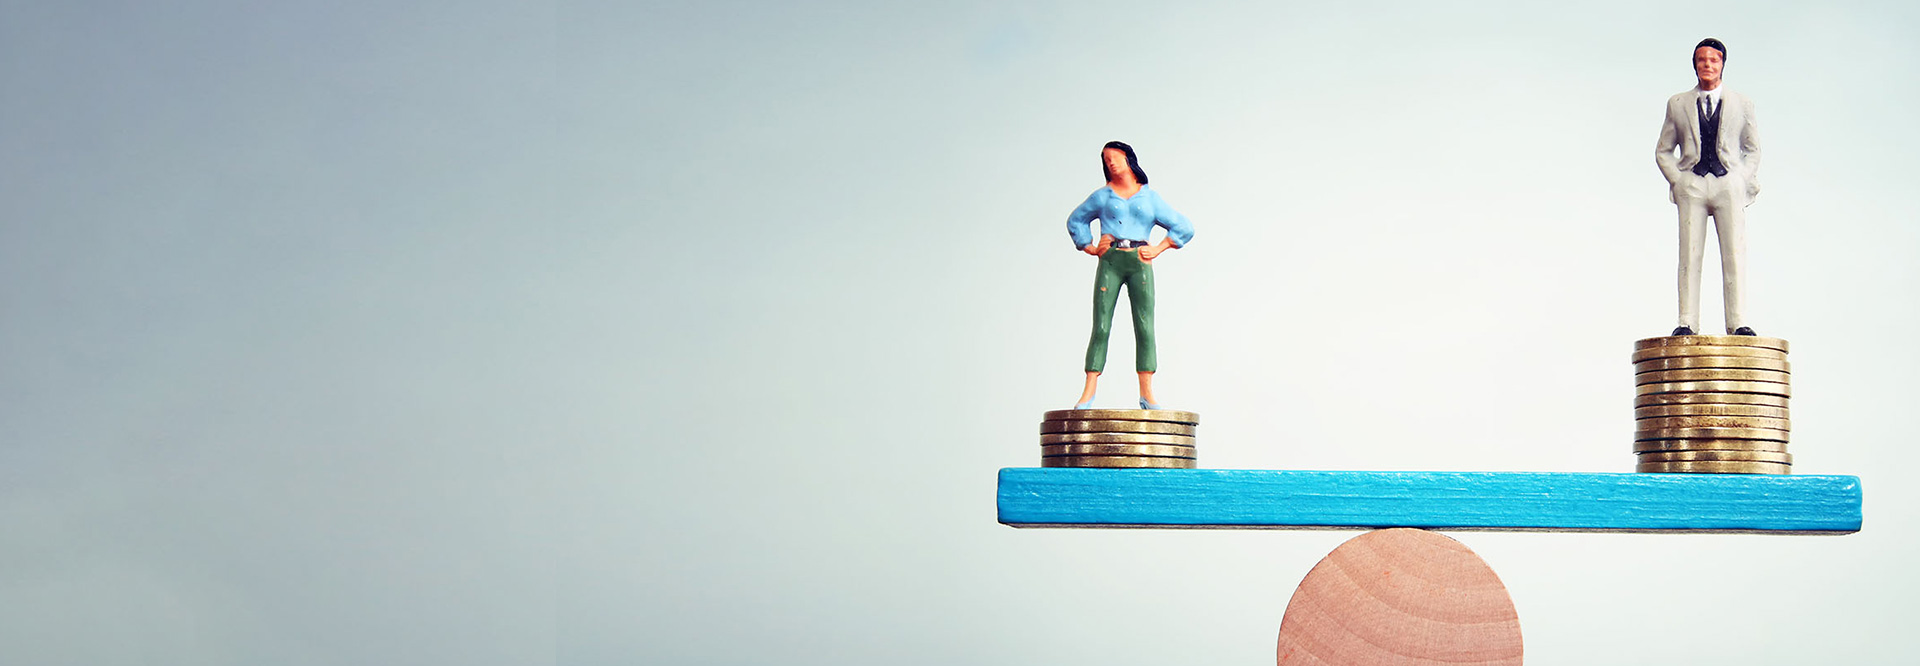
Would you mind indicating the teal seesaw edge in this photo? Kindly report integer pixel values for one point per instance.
(1488, 501)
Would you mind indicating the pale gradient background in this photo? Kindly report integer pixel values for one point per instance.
(602, 333)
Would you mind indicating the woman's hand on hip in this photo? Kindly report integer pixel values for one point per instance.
(1149, 252)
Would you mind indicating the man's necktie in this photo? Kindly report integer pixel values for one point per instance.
(1709, 139)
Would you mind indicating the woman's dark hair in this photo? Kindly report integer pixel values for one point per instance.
(1712, 44)
(1133, 162)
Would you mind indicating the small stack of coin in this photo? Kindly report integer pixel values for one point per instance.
(1711, 404)
(1118, 438)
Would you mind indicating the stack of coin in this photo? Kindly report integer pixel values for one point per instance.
(1711, 404)
(1118, 438)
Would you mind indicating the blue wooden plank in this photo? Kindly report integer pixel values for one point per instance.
(1505, 501)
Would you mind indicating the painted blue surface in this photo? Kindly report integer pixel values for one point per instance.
(1552, 501)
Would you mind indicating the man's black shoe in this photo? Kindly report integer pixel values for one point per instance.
(1683, 331)
(1744, 331)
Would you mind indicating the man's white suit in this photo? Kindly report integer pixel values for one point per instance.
(1724, 198)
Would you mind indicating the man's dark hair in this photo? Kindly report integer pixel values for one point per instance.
(1710, 43)
(1133, 162)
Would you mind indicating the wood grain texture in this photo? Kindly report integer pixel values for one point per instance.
(1400, 596)
(1503, 501)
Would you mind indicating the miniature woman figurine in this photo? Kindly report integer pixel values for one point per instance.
(1128, 211)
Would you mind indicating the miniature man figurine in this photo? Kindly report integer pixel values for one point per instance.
(1128, 211)
(1718, 146)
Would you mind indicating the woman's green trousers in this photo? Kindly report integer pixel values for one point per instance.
(1122, 267)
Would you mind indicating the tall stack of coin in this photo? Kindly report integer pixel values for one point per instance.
(1118, 438)
(1711, 404)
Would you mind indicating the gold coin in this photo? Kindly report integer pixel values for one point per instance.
(1702, 444)
(1158, 427)
(1767, 388)
(1687, 362)
(1710, 433)
(1659, 411)
(1671, 352)
(1117, 450)
(1729, 456)
(1168, 415)
(1667, 399)
(1712, 375)
(1711, 340)
(1115, 438)
(1118, 461)
(1713, 467)
(1711, 422)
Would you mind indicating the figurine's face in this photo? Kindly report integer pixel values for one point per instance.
(1707, 63)
(1116, 163)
